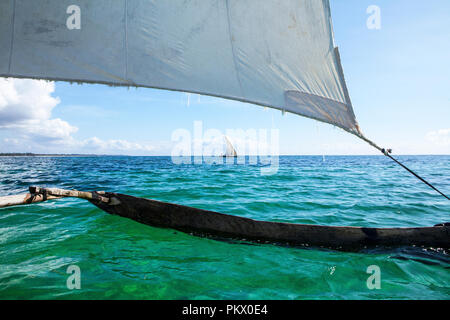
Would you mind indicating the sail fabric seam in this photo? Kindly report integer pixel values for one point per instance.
(232, 48)
(12, 36)
(315, 95)
(330, 22)
(293, 98)
(340, 72)
(344, 86)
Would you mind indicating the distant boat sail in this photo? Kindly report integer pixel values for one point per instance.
(230, 151)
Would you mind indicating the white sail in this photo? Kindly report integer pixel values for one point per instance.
(273, 53)
(230, 151)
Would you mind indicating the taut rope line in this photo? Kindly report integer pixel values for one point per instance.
(387, 154)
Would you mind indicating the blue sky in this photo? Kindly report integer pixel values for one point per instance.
(398, 78)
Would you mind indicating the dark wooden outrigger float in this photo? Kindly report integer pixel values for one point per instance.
(217, 225)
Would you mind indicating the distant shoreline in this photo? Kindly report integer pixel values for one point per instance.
(49, 155)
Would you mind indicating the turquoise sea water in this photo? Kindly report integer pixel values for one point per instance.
(122, 259)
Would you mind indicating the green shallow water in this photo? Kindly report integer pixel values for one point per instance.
(122, 259)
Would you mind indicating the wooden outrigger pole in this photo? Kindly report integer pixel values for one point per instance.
(38, 194)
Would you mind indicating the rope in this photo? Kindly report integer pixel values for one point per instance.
(386, 153)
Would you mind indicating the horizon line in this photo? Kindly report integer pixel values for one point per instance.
(31, 154)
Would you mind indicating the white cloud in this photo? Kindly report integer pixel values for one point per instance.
(26, 107)
(115, 145)
(440, 137)
(25, 116)
(22, 100)
(48, 129)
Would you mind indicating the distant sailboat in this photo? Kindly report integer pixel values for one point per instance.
(230, 150)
